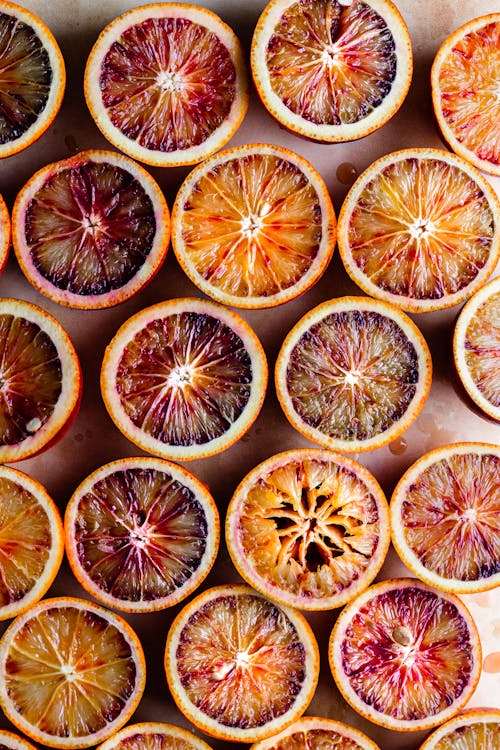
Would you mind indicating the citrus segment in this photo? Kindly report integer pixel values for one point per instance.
(312, 733)
(473, 730)
(154, 735)
(11, 741)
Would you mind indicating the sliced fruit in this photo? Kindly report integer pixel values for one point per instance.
(476, 729)
(240, 667)
(184, 379)
(476, 348)
(32, 78)
(40, 380)
(166, 83)
(353, 374)
(312, 733)
(308, 528)
(4, 230)
(420, 228)
(141, 534)
(464, 81)
(154, 735)
(331, 70)
(90, 231)
(71, 672)
(11, 741)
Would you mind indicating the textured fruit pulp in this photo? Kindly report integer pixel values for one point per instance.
(310, 527)
(468, 83)
(352, 374)
(421, 228)
(90, 228)
(315, 739)
(252, 225)
(30, 376)
(140, 534)
(241, 661)
(407, 653)
(477, 735)
(482, 349)
(330, 63)
(451, 516)
(154, 741)
(185, 378)
(69, 672)
(168, 83)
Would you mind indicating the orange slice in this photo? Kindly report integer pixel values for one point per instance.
(476, 348)
(331, 70)
(353, 374)
(4, 230)
(313, 733)
(404, 655)
(154, 735)
(308, 528)
(420, 228)
(240, 667)
(40, 380)
(445, 517)
(184, 379)
(166, 83)
(141, 534)
(11, 741)
(476, 729)
(254, 226)
(464, 80)
(90, 231)
(71, 673)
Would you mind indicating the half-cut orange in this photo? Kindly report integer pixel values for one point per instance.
(475, 729)
(153, 735)
(314, 733)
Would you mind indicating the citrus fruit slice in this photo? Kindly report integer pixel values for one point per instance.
(464, 81)
(32, 78)
(313, 733)
(353, 374)
(184, 379)
(4, 230)
(308, 528)
(240, 667)
(476, 348)
(40, 380)
(166, 83)
(476, 729)
(445, 517)
(154, 735)
(331, 70)
(141, 534)
(404, 655)
(420, 228)
(254, 226)
(71, 672)
(11, 741)
(90, 231)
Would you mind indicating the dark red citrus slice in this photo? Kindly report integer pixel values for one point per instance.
(153, 735)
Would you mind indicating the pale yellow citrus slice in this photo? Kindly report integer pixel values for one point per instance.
(11, 741)
(475, 729)
(314, 733)
(154, 735)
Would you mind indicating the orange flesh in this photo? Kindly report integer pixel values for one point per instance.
(315, 739)
(241, 661)
(477, 735)
(153, 741)
(329, 63)
(482, 349)
(421, 228)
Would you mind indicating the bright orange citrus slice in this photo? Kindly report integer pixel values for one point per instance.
(11, 741)
(420, 228)
(90, 231)
(240, 667)
(254, 226)
(153, 735)
(166, 83)
(313, 733)
(4, 234)
(475, 729)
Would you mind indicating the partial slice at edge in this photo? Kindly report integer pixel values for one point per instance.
(315, 733)
(474, 729)
(13, 741)
(5, 234)
(154, 734)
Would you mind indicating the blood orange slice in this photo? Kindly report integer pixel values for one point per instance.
(166, 83)
(40, 380)
(476, 729)
(11, 741)
(331, 70)
(240, 667)
(154, 735)
(141, 534)
(308, 528)
(4, 232)
(184, 379)
(254, 226)
(405, 655)
(313, 733)
(420, 228)
(353, 374)
(90, 231)
(464, 80)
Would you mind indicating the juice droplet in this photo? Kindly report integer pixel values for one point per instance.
(346, 173)
(398, 447)
(492, 662)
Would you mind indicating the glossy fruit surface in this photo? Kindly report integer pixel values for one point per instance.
(473, 730)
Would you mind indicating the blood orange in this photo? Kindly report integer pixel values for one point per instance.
(153, 735)
(476, 729)
(313, 733)
(11, 741)
(4, 234)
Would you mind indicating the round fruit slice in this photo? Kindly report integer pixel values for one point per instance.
(254, 226)
(71, 673)
(464, 80)
(90, 231)
(420, 228)
(153, 735)
(312, 733)
(404, 655)
(184, 379)
(141, 534)
(240, 667)
(476, 729)
(308, 528)
(11, 741)
(40, 380)
(166, 83)
(445, 517)
(331, 70)
(476, 348)
(32, 78)
(4, 230)
(353, 374)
